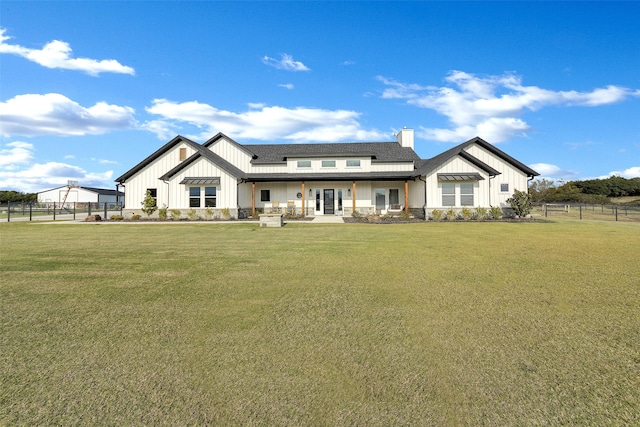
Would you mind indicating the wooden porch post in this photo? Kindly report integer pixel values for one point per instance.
(253, 200)
(304, 207)
(353, 195)
(406, 196)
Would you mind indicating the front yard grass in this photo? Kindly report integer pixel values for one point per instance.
(320, 324)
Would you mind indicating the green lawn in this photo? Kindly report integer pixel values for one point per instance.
(311, 324)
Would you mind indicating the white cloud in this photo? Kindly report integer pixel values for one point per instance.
(286, 63)
(44, 176)
(57, 54)
(554, 172)
(261, 122)
(18, 153)
(287, 86)
(490, 106)
(55, 114)
(19, 173)
(632, 172)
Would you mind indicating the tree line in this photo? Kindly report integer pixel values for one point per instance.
(597, 191)
(17, 197)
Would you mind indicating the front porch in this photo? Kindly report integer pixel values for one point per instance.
(325, 198)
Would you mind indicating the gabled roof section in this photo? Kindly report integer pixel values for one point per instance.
(377, 151)
(209, 155)
(159, 152)
(213, 140)
(433, 163)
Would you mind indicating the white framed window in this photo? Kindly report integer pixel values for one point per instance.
(304, 163)
(328, 163)
(353, 163)
(504, 188)
(210, 197)
(194, 197)
(448, 194)
(466, 194)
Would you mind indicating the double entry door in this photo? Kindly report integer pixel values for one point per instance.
(328, 200)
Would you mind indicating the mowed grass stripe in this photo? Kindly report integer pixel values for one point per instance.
(355, 324)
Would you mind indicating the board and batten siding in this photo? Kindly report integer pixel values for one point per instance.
(316, 165)
(148, 177)
(458, 165)
(226, 191)
(232, 153)
(516, 179)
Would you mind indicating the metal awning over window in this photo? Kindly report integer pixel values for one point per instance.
(201, 181)
(459, 177)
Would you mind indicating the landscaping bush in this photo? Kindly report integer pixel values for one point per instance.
(116, 217)
(149, 204)
(193, 215)
(451, 215)
(520, 202)
(481, 214)
(436, 215)
(175, 214)
(495, 212)
(466, 214)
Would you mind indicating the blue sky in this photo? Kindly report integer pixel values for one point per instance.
(89, 89)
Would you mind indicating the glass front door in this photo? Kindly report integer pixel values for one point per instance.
(328, 202)
(380, 200)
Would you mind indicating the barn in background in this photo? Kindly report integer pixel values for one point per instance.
(74, 193)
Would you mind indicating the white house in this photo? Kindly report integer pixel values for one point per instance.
(323, 179)
(73, 193)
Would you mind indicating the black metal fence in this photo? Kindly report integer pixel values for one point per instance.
(588, 211)
(57, 211)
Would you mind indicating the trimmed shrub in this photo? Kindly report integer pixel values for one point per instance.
(162, 214)
(481, 214)
(520, 202)
(466, 214)
(436, 215)
(495, 212)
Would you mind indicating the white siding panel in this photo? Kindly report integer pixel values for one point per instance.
(516, 179)
(226, 196)
(232, 153)
(148, 177)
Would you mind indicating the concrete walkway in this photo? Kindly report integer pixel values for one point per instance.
(328, 219)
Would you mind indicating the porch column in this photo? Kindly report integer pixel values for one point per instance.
(406, 196)
(353, 195)
(253, 200)
(304, 207)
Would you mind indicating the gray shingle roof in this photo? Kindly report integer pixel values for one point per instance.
(160, 151)
(378, 151)
(426, 166)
